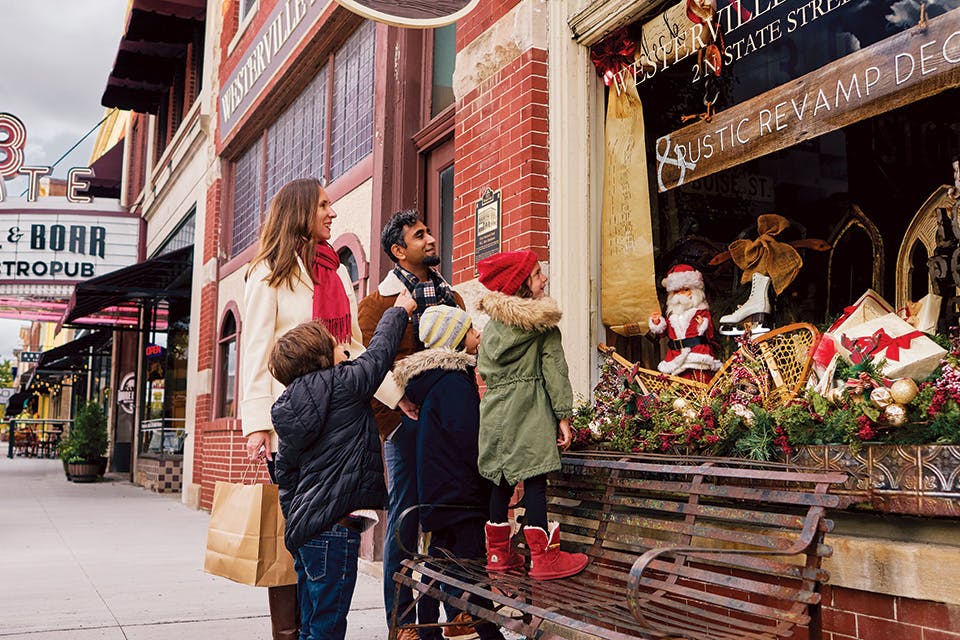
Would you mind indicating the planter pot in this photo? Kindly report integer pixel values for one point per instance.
(922, 480)
(84, 471)
(66, 470)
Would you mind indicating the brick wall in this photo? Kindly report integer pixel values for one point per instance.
(480, 19)
(225, 458)
(849, 614)
(211, 225)
(501, 143)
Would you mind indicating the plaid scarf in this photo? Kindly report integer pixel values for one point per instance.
(428, 293)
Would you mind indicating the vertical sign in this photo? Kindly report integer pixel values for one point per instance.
(487, 229)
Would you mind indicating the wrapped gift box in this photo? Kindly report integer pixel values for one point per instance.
(867, 307)
(923, 314)
(908, 352)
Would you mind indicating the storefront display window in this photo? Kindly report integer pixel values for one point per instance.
(802, 169)
(165, 366)
(856, 188)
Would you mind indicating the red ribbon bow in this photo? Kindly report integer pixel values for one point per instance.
(890, 345)
(617, 51)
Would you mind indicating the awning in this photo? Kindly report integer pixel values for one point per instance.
(73, 355)
(115, 298)
(16, 403)
(153, 46)
(107, 171)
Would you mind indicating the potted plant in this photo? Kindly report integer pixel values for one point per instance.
(83, 447)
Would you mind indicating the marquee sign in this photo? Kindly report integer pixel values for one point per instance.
(412, 13)
(64, 246)
(899, 70)
(13, 139)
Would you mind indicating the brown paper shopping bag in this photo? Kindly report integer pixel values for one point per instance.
(245, 536)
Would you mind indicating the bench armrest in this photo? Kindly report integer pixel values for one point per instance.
(802, 543)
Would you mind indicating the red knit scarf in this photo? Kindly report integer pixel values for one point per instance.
(330, 303)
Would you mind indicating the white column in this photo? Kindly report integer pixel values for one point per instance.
(576, 177)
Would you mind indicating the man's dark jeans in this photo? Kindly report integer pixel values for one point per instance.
(400, 454)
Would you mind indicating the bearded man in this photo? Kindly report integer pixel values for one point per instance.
(688, 325)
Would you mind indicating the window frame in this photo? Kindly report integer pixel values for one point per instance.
(351, 177)
(351, 242)
(219, 388)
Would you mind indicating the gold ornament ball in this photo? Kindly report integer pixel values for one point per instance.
(744, 413)
(881, 397)
(895, 415)
(679, 404)
(904, 390)
(835, 396)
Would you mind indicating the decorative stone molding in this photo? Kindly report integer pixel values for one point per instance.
(523, 28)
(598, 18)
(921, 480)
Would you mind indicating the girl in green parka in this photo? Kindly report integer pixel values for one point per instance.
(528, 399)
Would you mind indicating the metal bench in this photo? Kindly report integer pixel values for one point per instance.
(703, 549)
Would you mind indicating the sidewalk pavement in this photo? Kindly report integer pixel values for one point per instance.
(113, 561)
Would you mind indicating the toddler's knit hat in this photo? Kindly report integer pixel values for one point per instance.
(506, 271)
(444, 327)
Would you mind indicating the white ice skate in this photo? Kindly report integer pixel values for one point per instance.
(755, 312)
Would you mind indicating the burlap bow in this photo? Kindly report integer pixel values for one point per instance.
(767, 255)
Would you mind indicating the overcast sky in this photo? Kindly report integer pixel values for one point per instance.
(57, 55)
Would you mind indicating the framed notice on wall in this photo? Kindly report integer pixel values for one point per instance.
(487, 221)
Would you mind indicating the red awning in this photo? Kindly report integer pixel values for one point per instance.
(153, 46)
(107, 172)
(186, 9)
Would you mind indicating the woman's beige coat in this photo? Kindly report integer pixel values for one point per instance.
(268, 313)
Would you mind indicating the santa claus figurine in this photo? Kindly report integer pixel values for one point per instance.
(688, 325)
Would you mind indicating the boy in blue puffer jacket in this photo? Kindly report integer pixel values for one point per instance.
(329, 468)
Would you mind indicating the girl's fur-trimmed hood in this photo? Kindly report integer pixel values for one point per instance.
(527, 314)
(430, 359)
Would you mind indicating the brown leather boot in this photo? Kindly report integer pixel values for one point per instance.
(284, 612)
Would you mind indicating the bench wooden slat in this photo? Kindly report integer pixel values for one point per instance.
(680, 508)
(694, 618)
(724, 601)
(752, 563)
(745, 585)
(709, 470)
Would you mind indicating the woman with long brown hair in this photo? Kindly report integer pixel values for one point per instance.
(295, 276)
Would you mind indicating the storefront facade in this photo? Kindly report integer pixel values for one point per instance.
(321, 104)
(838, 119)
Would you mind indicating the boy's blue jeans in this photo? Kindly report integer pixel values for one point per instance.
(326, 577)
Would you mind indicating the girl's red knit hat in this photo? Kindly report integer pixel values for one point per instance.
(506, 271)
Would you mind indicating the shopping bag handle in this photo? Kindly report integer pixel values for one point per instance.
(246, 470)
